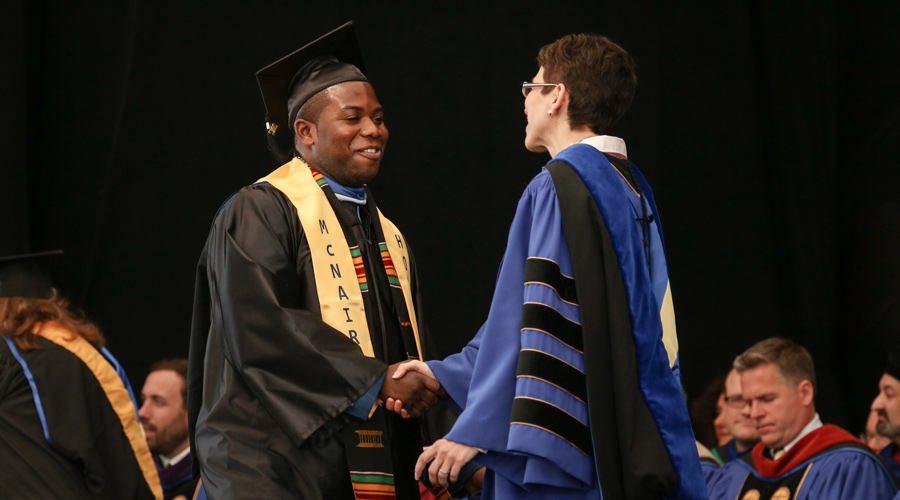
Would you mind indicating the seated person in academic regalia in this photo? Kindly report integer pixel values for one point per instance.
(704, 411)
(709, 463)
(736, 419)
(68, 420)
(887, 407)
(798, 457)
(870, 434)
(164, 418)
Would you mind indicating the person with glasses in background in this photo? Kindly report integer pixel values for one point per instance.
(735, 416)
(571, 389)
(797, 457)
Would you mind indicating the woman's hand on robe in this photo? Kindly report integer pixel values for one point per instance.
(447, 459)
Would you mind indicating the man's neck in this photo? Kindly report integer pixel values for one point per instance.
(356, 195)
(814, 423)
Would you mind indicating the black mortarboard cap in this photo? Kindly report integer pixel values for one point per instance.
(26, 275)
(893, 366)
(290, 81)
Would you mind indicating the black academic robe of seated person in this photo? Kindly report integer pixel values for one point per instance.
(269, 380)
(65, 432)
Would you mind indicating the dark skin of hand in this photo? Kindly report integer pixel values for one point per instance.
(418, 392)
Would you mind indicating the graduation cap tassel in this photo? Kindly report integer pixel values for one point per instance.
(280, 142)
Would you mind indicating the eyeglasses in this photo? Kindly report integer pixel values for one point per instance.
(736, 401)
(527, 86)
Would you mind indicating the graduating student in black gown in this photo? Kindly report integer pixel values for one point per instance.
(305, 298)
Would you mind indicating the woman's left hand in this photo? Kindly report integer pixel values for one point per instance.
(447, 459)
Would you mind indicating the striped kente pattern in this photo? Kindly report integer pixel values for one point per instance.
(319, 178)
(360, 268)
(372, 485)
(389, 265)
(441, 494)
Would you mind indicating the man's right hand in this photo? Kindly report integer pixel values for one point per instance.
(417, 392)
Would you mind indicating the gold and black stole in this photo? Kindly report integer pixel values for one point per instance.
(341, 281)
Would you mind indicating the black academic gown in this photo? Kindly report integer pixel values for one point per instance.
(90, 456)
(269, 380)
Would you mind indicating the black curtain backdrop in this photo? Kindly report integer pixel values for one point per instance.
(766, 129)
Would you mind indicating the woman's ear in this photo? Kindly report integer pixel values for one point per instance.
(561, 100)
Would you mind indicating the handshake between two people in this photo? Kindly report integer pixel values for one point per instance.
(410, 389)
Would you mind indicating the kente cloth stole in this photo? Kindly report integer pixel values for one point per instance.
(369, 457)
(340, 282)
(337, 261)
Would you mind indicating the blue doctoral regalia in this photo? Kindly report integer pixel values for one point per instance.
(847, 470)
(887, 454)
(568, 385)
(709, 468)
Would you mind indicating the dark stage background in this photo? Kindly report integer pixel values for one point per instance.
(767, 129)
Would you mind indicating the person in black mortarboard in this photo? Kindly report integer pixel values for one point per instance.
(68, 418)
(305, 301)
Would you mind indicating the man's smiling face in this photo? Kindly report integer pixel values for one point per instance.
(348, 140)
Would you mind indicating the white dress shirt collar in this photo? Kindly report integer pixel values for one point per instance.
(168, 462)
(607, 144)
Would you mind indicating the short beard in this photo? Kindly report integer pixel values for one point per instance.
(166, 442)
(888, 429)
